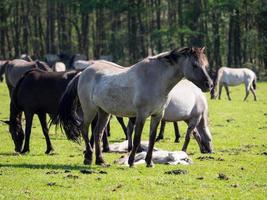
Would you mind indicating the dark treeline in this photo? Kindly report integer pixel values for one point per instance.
(234, 32)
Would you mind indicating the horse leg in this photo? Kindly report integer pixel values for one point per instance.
(139, 125)
(254, 94)
(227, 92)
(120, 120)
(247, 93)
(89, 150)
(161, 132)
(108, 129)
(191, 127)
(155, 120)
(105, 136)
(93, 125)
(177, 133)
(105, 140)
(130, 128)
(102, 121)
(29, 117)
(220, 91)
(42, 119)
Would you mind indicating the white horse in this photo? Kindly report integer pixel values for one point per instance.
(187, 103)
(232, 77)
(59, 67)
(139, 91)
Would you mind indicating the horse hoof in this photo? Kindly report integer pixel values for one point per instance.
(87, 161)
(100, 161)
(105, 150)
(49, 151)
(176, 141)
(151, 165)
(24, 152)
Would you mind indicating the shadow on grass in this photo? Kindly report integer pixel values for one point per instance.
(47, 166)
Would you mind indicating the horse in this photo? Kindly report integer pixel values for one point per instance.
(232, 77)
(188, 104)
(138, 91)
(59, 67)
(37, 92)
(15, 69)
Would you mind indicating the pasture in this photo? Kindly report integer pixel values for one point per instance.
(239, 137)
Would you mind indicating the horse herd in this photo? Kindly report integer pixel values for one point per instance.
(97, 89)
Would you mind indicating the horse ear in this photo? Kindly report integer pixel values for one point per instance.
(202, 49)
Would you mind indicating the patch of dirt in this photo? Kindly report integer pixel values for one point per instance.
(72, 176)
(176, 172)
(200, 178)
(87, 171)
(230, 120)
(117, 187)
(52, 172)
(102, 172)
(222, 176)
(205, 158)
(235, 185)
(51, 183)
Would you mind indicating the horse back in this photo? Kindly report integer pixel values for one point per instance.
(41, 91)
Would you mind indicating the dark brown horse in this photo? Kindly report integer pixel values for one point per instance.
(37, 92)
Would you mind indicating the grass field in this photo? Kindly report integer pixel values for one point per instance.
(240, 140)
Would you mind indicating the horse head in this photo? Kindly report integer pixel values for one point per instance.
(193, 63)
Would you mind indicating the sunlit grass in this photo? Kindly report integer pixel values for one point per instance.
(238, 144)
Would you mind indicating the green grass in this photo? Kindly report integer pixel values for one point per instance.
(239, 142)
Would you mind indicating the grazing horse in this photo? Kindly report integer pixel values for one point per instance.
(15, 69)
(37, 92)
(188, 103)
(232, 77)
(138, 91)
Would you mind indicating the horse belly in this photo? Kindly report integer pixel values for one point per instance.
(116, 101)
(174, 112)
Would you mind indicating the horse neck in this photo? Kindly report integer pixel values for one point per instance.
(165, 76)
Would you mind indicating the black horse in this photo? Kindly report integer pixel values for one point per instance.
(37, 92)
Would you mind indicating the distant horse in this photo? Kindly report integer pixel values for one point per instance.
(15, 69)
(26, 57)
(139, 91)
(188, 104)
(59, 67)
(232, 77)
(37, 92)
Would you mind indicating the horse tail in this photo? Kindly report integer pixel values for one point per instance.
(254, 82)
(66, 115)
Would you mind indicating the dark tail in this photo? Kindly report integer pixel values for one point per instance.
(254, 83)
(66, 115)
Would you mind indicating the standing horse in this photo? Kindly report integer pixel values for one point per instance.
(37, 92)
(188, 104)
(139, 91)
(232, 77)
